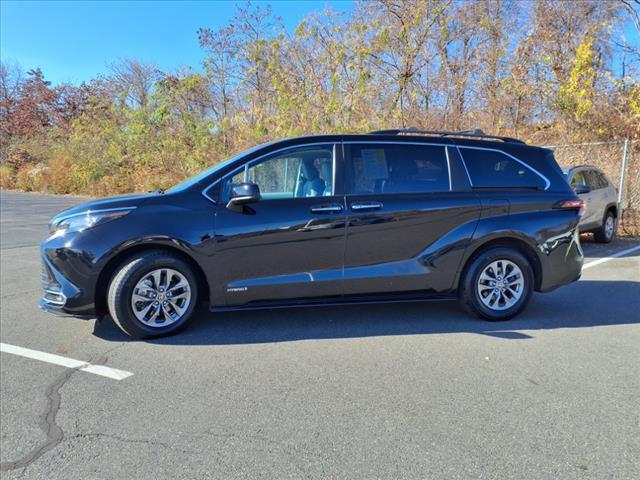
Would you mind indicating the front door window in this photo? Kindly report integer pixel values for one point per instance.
(297, 173)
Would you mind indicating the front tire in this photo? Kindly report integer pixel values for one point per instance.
(497, 284)
(607, 231)
(152, 294)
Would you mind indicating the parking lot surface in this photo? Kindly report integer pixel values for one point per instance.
(415, 390)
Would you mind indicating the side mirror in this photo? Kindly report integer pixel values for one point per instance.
(581, 188)
(243, 194)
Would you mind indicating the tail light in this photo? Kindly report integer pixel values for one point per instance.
(573, 204)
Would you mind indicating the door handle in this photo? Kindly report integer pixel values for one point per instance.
(364, 206)
(330, 208)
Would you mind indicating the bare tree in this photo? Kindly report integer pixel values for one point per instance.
(633, 8)
(135, 80)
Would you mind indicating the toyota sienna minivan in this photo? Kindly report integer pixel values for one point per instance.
(392, 215)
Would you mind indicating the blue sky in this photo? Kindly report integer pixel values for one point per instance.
(72, 41)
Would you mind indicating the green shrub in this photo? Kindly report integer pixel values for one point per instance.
(7, 176)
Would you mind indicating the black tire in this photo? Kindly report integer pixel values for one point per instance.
(468, 291)
(603, 234)
(124, 281)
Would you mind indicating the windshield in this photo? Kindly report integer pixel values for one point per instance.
(209, 171)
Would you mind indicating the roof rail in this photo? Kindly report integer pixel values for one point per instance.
(476, 133)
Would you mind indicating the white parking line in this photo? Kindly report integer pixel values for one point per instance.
(101, 370)
(610, 257)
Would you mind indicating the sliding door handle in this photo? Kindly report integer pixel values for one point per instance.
(366, 206)
(330, 208)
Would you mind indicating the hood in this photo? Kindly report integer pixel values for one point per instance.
(106, 203)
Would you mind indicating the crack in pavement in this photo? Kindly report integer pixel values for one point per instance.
(47, 422)
(131, 440)
(286, 447)
(121, 439)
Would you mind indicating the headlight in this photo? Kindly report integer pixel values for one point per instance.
(82, 221)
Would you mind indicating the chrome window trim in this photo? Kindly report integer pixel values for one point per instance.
(247, 165)
(334, 166)
(204, 193)
(465, 166)
(373, 142)
(446, 152)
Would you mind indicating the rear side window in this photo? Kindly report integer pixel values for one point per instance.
(493, 169)
(396, 168)
(595, 179)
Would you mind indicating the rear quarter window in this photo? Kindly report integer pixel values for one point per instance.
(601, 180)
(592, 179)
(493, 169)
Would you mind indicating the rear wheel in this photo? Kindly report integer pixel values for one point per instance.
(497, 284)
(152, 294)
(607, 231)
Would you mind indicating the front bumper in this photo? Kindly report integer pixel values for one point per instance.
(58, 311)
(61, 295)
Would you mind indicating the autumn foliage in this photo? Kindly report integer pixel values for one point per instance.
(543, 70)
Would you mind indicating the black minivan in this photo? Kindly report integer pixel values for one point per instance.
(386, 216)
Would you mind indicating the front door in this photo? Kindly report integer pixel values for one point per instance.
(290, 244)
(407, 227)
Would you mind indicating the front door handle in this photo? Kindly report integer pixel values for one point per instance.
(365, 206)
(329, 208)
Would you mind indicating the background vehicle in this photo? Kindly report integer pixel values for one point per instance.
(600, 198)
(386, 216)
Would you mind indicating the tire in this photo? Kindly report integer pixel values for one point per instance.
(170, 303)
(607, 231)
(472, 284)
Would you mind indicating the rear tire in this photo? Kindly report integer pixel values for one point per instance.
(152, 294)
(607, 232)
(497, 284)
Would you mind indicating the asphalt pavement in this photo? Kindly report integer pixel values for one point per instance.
(416, 390)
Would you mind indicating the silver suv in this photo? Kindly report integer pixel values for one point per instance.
(600, 199)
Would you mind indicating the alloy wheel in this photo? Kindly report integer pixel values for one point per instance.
(161, 297)
(500, 285)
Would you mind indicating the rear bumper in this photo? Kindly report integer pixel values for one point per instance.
(561, 259)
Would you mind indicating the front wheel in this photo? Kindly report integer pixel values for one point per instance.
(497, 284)
(152, 294)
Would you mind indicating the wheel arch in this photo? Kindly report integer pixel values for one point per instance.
(109, 270)
(515, 243)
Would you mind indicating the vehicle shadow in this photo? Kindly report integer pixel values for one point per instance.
(582, 304)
